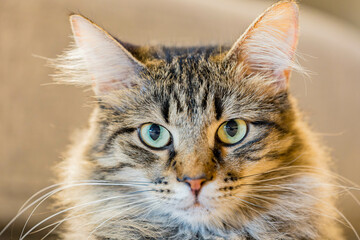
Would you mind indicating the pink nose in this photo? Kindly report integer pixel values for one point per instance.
(195, 184)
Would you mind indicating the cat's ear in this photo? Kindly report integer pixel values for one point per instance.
(268, 45)
(110, 65)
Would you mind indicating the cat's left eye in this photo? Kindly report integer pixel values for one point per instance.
(154, 135)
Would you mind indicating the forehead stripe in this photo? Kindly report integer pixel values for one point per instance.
(165, 110)
(218, 107)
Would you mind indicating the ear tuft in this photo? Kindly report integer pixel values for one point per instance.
(107, 65)
(268, 45)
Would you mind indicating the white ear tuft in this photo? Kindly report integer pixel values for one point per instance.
(109, 64)
(268, 46)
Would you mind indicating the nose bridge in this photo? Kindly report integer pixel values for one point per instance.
(196, 163)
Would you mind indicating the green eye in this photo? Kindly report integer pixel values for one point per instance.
(232, 131)
(154, 135)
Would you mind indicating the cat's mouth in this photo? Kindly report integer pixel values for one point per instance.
(195, 205)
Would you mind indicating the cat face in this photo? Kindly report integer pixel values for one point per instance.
(171, 132)
(207, 136)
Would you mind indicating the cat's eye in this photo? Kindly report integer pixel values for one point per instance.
(232, 132)
(154, 135)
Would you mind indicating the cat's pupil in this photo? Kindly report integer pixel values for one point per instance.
(231, 128)
(154, 132)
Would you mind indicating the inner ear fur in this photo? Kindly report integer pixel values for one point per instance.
(268, 46)
(110, 65)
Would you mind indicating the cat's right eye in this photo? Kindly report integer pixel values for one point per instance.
(154, 135)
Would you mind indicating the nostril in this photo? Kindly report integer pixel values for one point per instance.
(195, 184)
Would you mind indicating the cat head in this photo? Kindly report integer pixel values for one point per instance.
(206, 130)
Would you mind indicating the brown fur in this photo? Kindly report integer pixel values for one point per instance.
(271, 185)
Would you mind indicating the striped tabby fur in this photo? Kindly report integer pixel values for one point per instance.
(272, 185)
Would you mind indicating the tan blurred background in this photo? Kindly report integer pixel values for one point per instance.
(36, 119)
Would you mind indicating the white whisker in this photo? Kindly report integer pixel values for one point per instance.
(319, 200)
(58, 223)
(46, 196)
(66, 210)
(109, 219)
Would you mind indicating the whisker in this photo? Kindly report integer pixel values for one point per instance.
(260, 214)
(55, 185)
(124, 209)
(66, 210)
(58, 223)
(346, 188)
(46, 196)
(293, 204)
(109, 219)
(80, 181)
(72, 216)
(317, 199)
(319, 170)
(269, 171)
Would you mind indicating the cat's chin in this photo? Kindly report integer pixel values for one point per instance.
(194, 215)
(195, 206)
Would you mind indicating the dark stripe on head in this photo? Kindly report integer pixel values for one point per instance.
(205, 98)
(138, 154)
(178, 103)
(111, 139)
(165, 110)
(218, 107)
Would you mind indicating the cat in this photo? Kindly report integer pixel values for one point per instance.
(194, 143)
